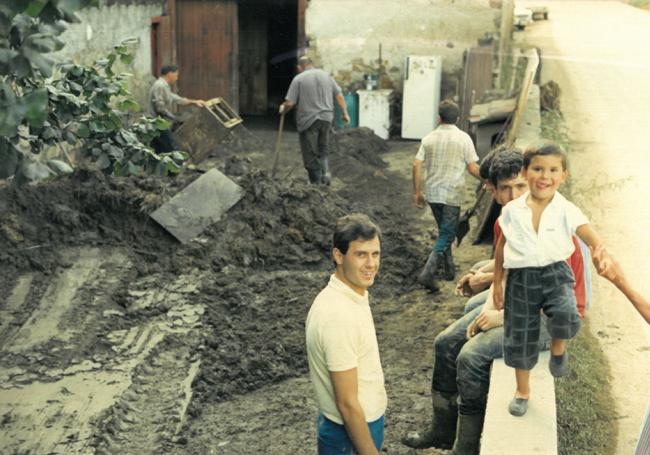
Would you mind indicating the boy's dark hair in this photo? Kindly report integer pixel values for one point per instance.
(507, 165)
(168, 69)
(448, 111)
(355, 226)
(546, 150)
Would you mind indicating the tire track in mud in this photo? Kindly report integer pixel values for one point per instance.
(95, 375)
(149, 414)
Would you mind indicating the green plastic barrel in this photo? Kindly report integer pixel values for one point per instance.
(352, 101)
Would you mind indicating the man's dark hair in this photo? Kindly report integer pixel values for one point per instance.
(486, 162)
(546, 150)
(506, 165)
(168, 69)
(448, 111)
(355, 226)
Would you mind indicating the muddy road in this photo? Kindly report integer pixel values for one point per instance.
(115, 339)
(599, 53)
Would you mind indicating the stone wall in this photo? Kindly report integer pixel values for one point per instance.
(104, 27)
(345, 35)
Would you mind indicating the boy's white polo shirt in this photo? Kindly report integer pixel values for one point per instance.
(553, 240)
(340, 335)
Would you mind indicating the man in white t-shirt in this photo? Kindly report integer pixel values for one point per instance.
(342, 348)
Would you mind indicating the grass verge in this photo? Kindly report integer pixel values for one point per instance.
(643, 4)
(585, 417)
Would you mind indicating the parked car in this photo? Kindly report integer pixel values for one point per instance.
(522, 18)
(539, 12)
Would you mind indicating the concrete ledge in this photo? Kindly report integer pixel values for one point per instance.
(535, 432)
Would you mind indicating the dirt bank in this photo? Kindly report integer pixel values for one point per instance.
(117, 339)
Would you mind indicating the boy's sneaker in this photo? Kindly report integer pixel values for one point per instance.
(559, 365)
(518, 406)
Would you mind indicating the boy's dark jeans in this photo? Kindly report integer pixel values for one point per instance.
(447, 218)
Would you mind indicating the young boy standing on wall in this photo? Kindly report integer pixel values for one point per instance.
(537, 239)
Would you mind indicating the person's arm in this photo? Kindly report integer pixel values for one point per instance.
(588, 235)
(498, 273)
(417, 183)
(177, 99)
(476, 281)
(488, 318)
(344, 108)
(345, 385)
(473, 169)
(617, 277)
(187, 101)
(286, 106)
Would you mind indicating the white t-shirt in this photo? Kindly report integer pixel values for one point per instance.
(553, 240)
(340, 335)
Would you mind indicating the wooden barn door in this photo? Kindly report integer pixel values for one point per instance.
(207, 49)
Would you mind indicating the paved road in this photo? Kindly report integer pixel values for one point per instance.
(599, 52)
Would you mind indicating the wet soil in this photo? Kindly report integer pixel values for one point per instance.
(114, 338)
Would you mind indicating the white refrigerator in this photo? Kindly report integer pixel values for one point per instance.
(421, 95)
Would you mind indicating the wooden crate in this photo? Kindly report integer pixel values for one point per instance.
(205, 128)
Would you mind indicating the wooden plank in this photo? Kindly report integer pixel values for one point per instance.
(477, 78)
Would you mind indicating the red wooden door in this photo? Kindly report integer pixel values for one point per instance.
(207, 48)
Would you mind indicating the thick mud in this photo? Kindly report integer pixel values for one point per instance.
(117, 339)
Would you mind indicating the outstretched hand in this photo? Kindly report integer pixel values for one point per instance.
(605, 264)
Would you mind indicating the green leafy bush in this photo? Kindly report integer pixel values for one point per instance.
(90, 106)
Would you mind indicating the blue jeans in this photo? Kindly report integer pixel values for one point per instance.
(333, 439)
(476, 301)
(447, 218)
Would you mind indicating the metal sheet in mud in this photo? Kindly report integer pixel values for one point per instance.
(198, 205)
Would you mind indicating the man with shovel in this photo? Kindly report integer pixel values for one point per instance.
(313, 91)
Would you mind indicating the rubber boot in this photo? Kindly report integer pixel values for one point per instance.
(450, 267)
(315, 176)
(468, 434)
(326, 178)
(442, 430)
(427, 276)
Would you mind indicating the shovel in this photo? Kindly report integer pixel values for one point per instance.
(463, 222)
(278, 143)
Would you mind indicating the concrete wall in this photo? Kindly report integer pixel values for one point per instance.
(344, 35)
(104, 27)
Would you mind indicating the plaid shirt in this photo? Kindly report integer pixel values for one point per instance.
(445, 152)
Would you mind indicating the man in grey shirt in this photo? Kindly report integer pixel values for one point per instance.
(161, 103)
(314, 92)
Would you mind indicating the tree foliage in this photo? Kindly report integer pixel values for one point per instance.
(86, 105)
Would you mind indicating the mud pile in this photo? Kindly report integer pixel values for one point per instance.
(226, 310)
